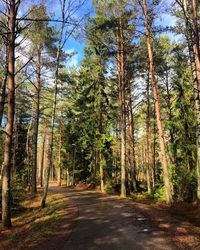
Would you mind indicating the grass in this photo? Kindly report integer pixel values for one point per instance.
(32, 226)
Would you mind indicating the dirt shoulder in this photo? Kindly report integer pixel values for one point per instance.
(36, 228)
(183, 229)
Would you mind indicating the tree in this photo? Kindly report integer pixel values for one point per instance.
(157, 109)
(7, 163)
(68, 9)
(196, 51)
(42, 38)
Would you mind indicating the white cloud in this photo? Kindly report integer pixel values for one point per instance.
(72, 61)
(167, 19)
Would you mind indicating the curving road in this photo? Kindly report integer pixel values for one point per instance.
(106, 223)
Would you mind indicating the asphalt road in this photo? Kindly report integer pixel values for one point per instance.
(107, 223)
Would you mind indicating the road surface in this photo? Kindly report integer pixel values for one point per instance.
(107, 223)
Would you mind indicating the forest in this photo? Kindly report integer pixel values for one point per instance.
(124, 120)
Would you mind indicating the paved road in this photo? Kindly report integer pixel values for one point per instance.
(105, 223)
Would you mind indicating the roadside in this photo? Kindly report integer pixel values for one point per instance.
(85, 219)
(36, 228)
(181, 221)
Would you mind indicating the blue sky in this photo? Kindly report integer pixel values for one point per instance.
(74, 44)
(77, 45)
(53, 7)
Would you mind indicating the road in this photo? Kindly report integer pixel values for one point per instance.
(107, 223)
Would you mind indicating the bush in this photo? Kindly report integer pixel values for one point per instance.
(109, 189)
(159, 194)
(184, 184)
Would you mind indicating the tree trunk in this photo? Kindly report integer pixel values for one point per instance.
(59, 153)
(51, 136)
(42, 158)
(197, 86)
(7, 163)
(148, 124)
(154, 145)
(170, 118)
(67, 177)
(122, 100)
(15, 146)
(101, 175)
(3, 93)
(132, 144)
(35, 126)
(163, 155)
(74, 165)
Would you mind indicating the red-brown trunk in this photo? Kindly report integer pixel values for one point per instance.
(163, 156)
(7, 165)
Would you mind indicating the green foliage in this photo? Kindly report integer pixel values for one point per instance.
(159, 194)
(109, 189)
(184, 183)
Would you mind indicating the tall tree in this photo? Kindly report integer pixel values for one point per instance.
(42, 38)
(7, 163)
(196, 50)
(157, 109)
(68, 9)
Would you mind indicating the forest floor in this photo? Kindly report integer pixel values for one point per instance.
(79, 218)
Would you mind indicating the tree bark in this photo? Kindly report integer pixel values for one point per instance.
(36, 126)
(3, 93)
(42, 158)
(196, 51)
(59, 153)
(163, 156)
(101, 174)
(51, 136)
(7, 163)
(122, 101)
(148, 124)
(74, 165)
(132, 144)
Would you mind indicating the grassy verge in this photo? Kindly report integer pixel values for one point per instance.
(33, 227)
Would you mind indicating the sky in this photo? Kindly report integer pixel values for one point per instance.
(77, 45)
(53, 8)
(74, 44)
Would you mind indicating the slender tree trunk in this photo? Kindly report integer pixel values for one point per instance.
(148, 124)
(67, 177)
(123, 119)
(122, 96)
(51, 136)
(196, 50)
(3, 93)
(74, 165)
(154, 144)
(101, 172)
(28, 155)
(42, 158)
(101, 132)
(7, 163)
(170, 118)
(36, 126)
(132, 144)
(163, 155)
(152, 169)
(59, 153)
(15, 145)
